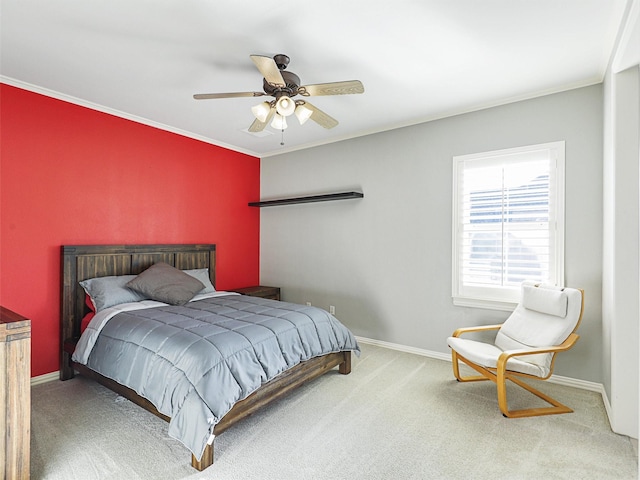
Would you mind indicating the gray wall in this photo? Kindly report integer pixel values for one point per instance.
(384, 261)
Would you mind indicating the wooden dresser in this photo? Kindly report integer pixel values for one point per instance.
(15, 394)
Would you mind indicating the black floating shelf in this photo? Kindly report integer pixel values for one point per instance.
(313, 198)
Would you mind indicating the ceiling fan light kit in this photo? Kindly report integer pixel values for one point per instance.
(302, 113)
(261, 111)
(279, 122)
(285, 106)
(283, 86)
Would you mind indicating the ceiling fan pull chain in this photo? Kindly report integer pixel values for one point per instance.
(282, 137)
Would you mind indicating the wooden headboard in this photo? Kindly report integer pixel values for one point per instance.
(80, 262)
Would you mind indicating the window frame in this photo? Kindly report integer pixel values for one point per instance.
(506, 297)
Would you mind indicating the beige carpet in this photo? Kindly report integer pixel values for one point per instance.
(396, 416)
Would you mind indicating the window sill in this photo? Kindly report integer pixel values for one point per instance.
(484, 303)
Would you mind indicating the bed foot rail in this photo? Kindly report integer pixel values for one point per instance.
(345, 367)
(205, 461)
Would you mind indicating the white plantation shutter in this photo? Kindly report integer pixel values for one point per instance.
(508, 223)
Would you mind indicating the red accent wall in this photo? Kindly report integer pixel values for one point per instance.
(72, 175)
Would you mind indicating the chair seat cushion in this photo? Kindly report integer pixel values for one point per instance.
(486, 355)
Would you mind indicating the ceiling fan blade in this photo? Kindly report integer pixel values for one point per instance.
(320, 117)
(258, 126)
(269, 70)
(334, 88)
(207, 96)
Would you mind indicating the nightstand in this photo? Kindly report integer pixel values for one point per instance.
(260, 291)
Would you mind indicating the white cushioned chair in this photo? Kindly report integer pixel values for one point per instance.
(543, 324)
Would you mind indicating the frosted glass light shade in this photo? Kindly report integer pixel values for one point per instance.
(303, 113)
(279, 122)
(261, 111)
(285, 106)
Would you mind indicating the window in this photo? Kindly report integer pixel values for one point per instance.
(508, 225)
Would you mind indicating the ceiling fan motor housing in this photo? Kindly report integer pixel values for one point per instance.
(292, 84)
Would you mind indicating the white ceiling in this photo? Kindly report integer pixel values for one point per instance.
(418, 59)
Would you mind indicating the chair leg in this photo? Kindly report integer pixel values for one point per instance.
(526, 412)
(456, 369)
(500, 378)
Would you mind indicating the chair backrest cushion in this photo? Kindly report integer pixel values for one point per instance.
(545, 299)
(545, 316)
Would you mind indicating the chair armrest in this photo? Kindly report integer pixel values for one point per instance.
(566, 345)
(480, 328)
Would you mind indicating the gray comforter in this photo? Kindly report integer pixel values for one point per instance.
(194, 362)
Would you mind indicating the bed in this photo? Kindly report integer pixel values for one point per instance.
(240, 319)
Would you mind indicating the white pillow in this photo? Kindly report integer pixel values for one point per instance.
(545, 299)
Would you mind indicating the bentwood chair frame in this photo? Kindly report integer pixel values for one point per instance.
(500, 374)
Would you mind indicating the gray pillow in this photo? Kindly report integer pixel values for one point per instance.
(106, 292)
(167, 284)
(202, 274)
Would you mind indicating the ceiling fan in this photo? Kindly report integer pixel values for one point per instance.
(283, 86)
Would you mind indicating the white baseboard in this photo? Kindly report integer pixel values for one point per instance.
(47, 377)
(405, 348)
(557, 379)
